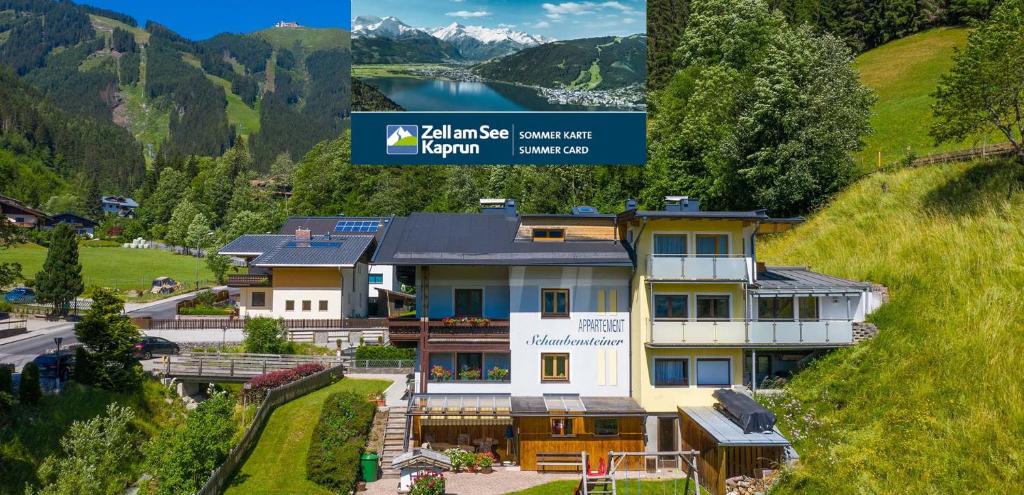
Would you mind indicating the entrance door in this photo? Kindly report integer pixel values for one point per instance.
(667, 441)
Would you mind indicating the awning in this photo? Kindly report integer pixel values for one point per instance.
(465, 420)
(460, 405)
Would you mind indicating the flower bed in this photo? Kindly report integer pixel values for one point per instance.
(258, 386)
(465, 322)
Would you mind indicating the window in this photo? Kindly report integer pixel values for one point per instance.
(561, 427)
(259, 299)
(554, 303)
(376, 278)
(775, 308)
(671, 372)
(670, 306)
(469, 302)
(713, 308)
(500, 361)
(471, 362)
(289, 305)
(606, 427)
(808, 308)
(554, 367)
(670, 244)
(322, 306)
(441, 366)
(712, 244)
(307, 305)
(548, 234)
(713, 373)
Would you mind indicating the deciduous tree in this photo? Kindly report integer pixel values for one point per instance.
(110, 336)
(95, 456)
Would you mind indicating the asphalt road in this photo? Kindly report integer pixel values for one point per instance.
(23, 349)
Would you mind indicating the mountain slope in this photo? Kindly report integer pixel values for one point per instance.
(904, 73)
(480, 43)
(592, 63)
(933, 404)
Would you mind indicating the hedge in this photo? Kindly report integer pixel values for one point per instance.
(385, 352)
(258, 386)
(339, 440)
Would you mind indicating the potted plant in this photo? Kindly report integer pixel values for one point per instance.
(377, 398)
(497, 374)
(469, 374)
(484, 462)
(440, 373)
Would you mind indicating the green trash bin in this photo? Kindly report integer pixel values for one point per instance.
(369, 464)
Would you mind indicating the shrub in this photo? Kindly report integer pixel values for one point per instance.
(5, 307)
(385, 352)
(338, 441)
(205, 298)
(427, 483)
(29, 391)
(260, 385)
(203, 310)
(460, 458)
(96, 455)
(6, 380)
(181, 458)
(6, 406)
(265, 336)
(83, 369)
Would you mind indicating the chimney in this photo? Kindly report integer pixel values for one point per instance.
(499, 206)
(681, 203)
(302, 234)
(631, 204)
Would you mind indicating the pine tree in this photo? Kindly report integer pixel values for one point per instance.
(60, 280)
(109, 336)
(92, 201)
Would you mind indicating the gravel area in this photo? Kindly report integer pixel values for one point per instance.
(502, 480)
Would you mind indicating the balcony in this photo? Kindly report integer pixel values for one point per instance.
(249, 280)
(442, 332)
(753, 332)
(700, 267)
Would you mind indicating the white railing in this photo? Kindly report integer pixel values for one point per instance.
(691, 332)
(699, 267)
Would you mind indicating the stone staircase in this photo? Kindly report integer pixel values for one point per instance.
(394, 440)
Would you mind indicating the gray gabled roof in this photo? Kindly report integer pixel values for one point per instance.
(326, 225)
(418, 457)
(284, 250)
(484, 239)
(797, 278)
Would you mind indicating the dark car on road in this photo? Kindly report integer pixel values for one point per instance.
(21, 295)
(149, 346)
(55, 366)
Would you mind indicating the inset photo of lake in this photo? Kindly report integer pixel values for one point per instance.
(500, 55)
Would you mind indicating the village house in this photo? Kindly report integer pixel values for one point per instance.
(82, 226)
(119, 205)
(708, 315)
(22, 215)
(522, 332)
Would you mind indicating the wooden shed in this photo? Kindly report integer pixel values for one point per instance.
(725, 450)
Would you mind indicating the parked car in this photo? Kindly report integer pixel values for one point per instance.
(21, 295)
(55, 366)
(164, 285)
(149, 346)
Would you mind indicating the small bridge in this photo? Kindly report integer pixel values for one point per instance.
(213, 367)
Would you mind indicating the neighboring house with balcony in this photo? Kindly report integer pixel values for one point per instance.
(20, 214)
(119, 205)
(706, 314)
(379, 276)
(302, 276)
(522, 330)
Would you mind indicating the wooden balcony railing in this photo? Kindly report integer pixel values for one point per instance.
(249, 280)
(403, 329)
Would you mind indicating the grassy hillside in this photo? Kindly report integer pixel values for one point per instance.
(310, 39)
(116, 267)
(933, 404)
(904, 73)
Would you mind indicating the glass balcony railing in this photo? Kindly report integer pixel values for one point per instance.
(756, 332)
(700, 267)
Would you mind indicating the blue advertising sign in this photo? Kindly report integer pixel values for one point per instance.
(498, 138)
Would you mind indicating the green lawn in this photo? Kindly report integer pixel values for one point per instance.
(623, 487)
(115, 267)
(934, 404)
(311, 39)
(36, 431)
(278, 463)
(904, 73)
(245, 117)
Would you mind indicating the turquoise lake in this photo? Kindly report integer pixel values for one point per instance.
(428, 95)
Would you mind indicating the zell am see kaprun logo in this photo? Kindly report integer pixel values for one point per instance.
(406, 139)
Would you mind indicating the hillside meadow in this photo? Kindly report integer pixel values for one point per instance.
(934, 404)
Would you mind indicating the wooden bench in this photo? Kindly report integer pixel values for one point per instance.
(559, 459)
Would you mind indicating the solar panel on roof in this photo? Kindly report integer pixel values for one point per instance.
(357, 226)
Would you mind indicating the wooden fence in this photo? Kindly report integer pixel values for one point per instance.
(236, 365)
(280, 395)
(215, 323)
(1002, 149)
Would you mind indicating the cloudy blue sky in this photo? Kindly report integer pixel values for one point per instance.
(552, 18)
(201, 19)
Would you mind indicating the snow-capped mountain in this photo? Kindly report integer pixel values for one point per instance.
(481, 43)
(387, 27)
(472, 42)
